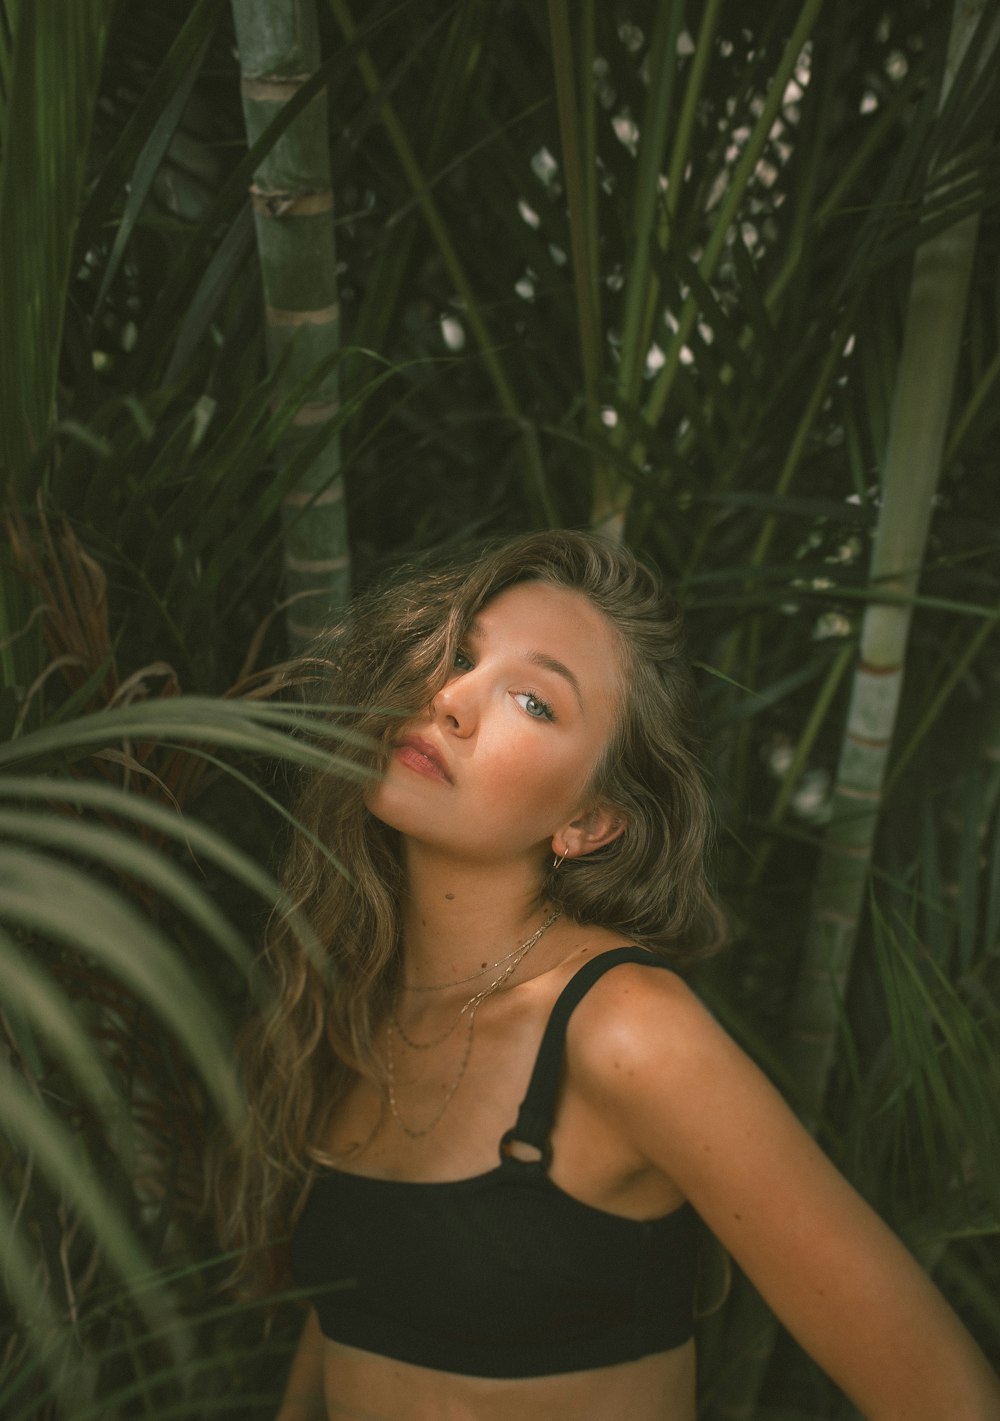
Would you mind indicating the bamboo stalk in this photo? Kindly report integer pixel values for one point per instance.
(918, 428)
(293, 215)
(924, 383)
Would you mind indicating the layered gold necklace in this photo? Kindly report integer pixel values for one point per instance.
(468, 1010)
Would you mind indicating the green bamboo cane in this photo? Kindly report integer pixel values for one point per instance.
(924, 383)
(293, 213)
(918, 427)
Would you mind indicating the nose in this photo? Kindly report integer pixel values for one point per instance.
(456, 705)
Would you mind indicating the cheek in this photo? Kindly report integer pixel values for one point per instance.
(544, 785)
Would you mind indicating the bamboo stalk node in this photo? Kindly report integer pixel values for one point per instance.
(860, 852)
(871, 669)
(316, 565)
(855, 792)
(832, 916)
(272, 88)
(303, 498)
(317, 316)
(317, 412)
(284, 202)
(868, 742)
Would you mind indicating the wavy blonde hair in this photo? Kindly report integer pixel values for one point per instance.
(393, 652)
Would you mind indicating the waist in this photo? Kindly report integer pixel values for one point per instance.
(362, 1386)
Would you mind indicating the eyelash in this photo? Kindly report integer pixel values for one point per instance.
(547, 712)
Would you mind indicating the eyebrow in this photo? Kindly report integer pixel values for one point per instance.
(542, 659)
(550, 663)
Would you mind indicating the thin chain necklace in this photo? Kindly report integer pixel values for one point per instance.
(470, 1008)
(513, 959)
(460, 981)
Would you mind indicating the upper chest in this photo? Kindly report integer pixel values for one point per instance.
(453, 1088)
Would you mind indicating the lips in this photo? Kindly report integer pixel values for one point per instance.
(423, 757)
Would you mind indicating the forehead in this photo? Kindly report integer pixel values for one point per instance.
(564, 625)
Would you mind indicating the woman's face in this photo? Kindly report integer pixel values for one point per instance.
(498, 765)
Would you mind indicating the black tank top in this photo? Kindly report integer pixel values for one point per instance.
(503, 1274)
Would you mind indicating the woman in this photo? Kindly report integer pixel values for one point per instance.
(488, 1101)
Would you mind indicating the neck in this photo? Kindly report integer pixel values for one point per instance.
(458, 917)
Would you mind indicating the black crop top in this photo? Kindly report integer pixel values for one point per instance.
(503, 1274)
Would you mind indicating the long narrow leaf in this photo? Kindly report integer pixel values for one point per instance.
(30, 992)
(51, 898)
(53, 91)
(52, 1146)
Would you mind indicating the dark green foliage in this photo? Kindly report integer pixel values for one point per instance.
(528, 199)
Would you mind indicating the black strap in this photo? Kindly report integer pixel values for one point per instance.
(534, 1119)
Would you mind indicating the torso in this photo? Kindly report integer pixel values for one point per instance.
(591, 1161)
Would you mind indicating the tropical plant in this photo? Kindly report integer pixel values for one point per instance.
(639, 265)
(935, 320)
(121, 963)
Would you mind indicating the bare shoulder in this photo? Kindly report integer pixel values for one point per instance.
(649, 1055)
(637, 1017)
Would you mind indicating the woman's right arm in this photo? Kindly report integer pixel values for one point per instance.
(303, 1399)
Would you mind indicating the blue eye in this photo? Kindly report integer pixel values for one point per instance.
(462, 661)
(534, 706)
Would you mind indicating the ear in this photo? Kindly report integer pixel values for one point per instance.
(591, 831)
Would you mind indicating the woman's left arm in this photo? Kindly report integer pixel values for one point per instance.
(702, 1113)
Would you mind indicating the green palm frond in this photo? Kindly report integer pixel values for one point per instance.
(84, 901)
